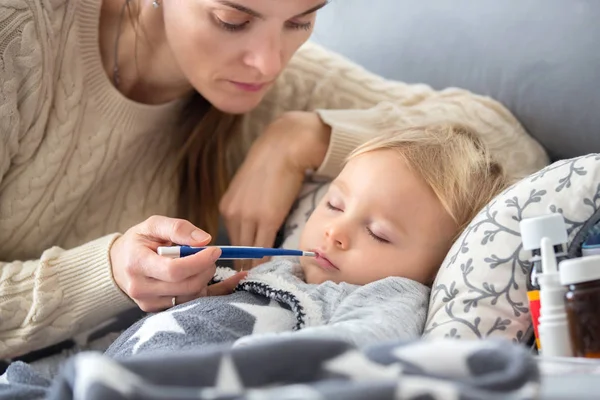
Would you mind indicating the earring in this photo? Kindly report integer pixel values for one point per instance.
(155, 4)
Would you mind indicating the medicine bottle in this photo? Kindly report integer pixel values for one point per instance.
(553, 227)
(582, 304)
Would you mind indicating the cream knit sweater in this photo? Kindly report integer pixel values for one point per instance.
(77, 158)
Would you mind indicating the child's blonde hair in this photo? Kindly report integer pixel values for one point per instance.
(454, 162)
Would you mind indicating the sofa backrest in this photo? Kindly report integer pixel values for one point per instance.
(540, 58)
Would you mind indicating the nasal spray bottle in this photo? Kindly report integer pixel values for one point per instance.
(554, 336)
(533, 230)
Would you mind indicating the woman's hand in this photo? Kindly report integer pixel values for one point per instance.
(152, 280)
(263, 190)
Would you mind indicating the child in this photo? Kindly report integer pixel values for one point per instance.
(380, 234)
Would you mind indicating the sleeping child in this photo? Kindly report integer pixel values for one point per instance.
(380, 234)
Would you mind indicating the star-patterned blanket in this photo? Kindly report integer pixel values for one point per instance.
(274, 302)
(294, 368)
(200, 323)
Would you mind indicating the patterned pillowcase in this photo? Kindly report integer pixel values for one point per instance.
(480, 288)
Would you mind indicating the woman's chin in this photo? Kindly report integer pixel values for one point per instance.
(241, 104)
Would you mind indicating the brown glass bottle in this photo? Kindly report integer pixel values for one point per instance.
(582, 304)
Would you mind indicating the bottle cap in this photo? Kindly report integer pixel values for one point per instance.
(579, 270)
(551, 226)
(590, 249)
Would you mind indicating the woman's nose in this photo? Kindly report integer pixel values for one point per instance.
(266, 57)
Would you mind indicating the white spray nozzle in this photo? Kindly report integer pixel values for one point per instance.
(553, 326)
(548, 256)
(534, 229)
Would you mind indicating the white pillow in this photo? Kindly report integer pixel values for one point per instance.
(480, 288)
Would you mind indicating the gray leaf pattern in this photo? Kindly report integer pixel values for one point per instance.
(481, 287)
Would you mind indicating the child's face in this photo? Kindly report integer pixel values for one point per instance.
(378, 219)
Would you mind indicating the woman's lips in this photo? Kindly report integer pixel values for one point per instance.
(325, 263)
(249, 87)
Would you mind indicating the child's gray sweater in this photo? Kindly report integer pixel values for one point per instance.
(389, 309)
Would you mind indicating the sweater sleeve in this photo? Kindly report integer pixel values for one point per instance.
(358, 105)
(386, 310)
(65, 292)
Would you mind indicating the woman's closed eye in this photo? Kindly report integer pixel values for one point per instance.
(230, 26)
(239, 26)
(375, 237)
(298, 25)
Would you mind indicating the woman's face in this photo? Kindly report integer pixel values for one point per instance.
(232, 51)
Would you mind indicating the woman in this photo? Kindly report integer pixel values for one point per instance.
(120, 115)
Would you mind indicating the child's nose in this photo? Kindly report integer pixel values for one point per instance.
(337, 234)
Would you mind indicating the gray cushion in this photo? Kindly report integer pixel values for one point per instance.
(540, 58)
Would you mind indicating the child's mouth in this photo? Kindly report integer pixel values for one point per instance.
(324, 262)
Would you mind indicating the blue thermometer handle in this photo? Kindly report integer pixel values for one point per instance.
(233, 252)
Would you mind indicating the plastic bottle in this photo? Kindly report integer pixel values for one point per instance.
(591, 246)
(582, 304)
(551, 226)
(553, 326)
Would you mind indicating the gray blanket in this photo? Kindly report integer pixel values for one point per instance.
(275, 302)
(294, 368)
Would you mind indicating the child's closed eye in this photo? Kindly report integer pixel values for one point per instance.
(332, 207)
(377, 238)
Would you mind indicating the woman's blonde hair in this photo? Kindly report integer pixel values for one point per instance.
(453, 160)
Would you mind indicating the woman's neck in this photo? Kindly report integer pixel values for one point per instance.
(135, 51)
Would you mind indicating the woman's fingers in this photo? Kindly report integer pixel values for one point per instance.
(265, 237)
(179, 269)
(174, 230)
(227, 286)
(156, 304)
(233, 230)
(218, 289)
(248, 231)
(191, 287)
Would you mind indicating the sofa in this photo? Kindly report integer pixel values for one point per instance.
(539, 58)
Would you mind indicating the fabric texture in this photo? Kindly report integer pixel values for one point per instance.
(308, 369)
(274, 303)
(80, 163)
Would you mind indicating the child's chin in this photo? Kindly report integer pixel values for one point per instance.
(313, 276)
(316, 276)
